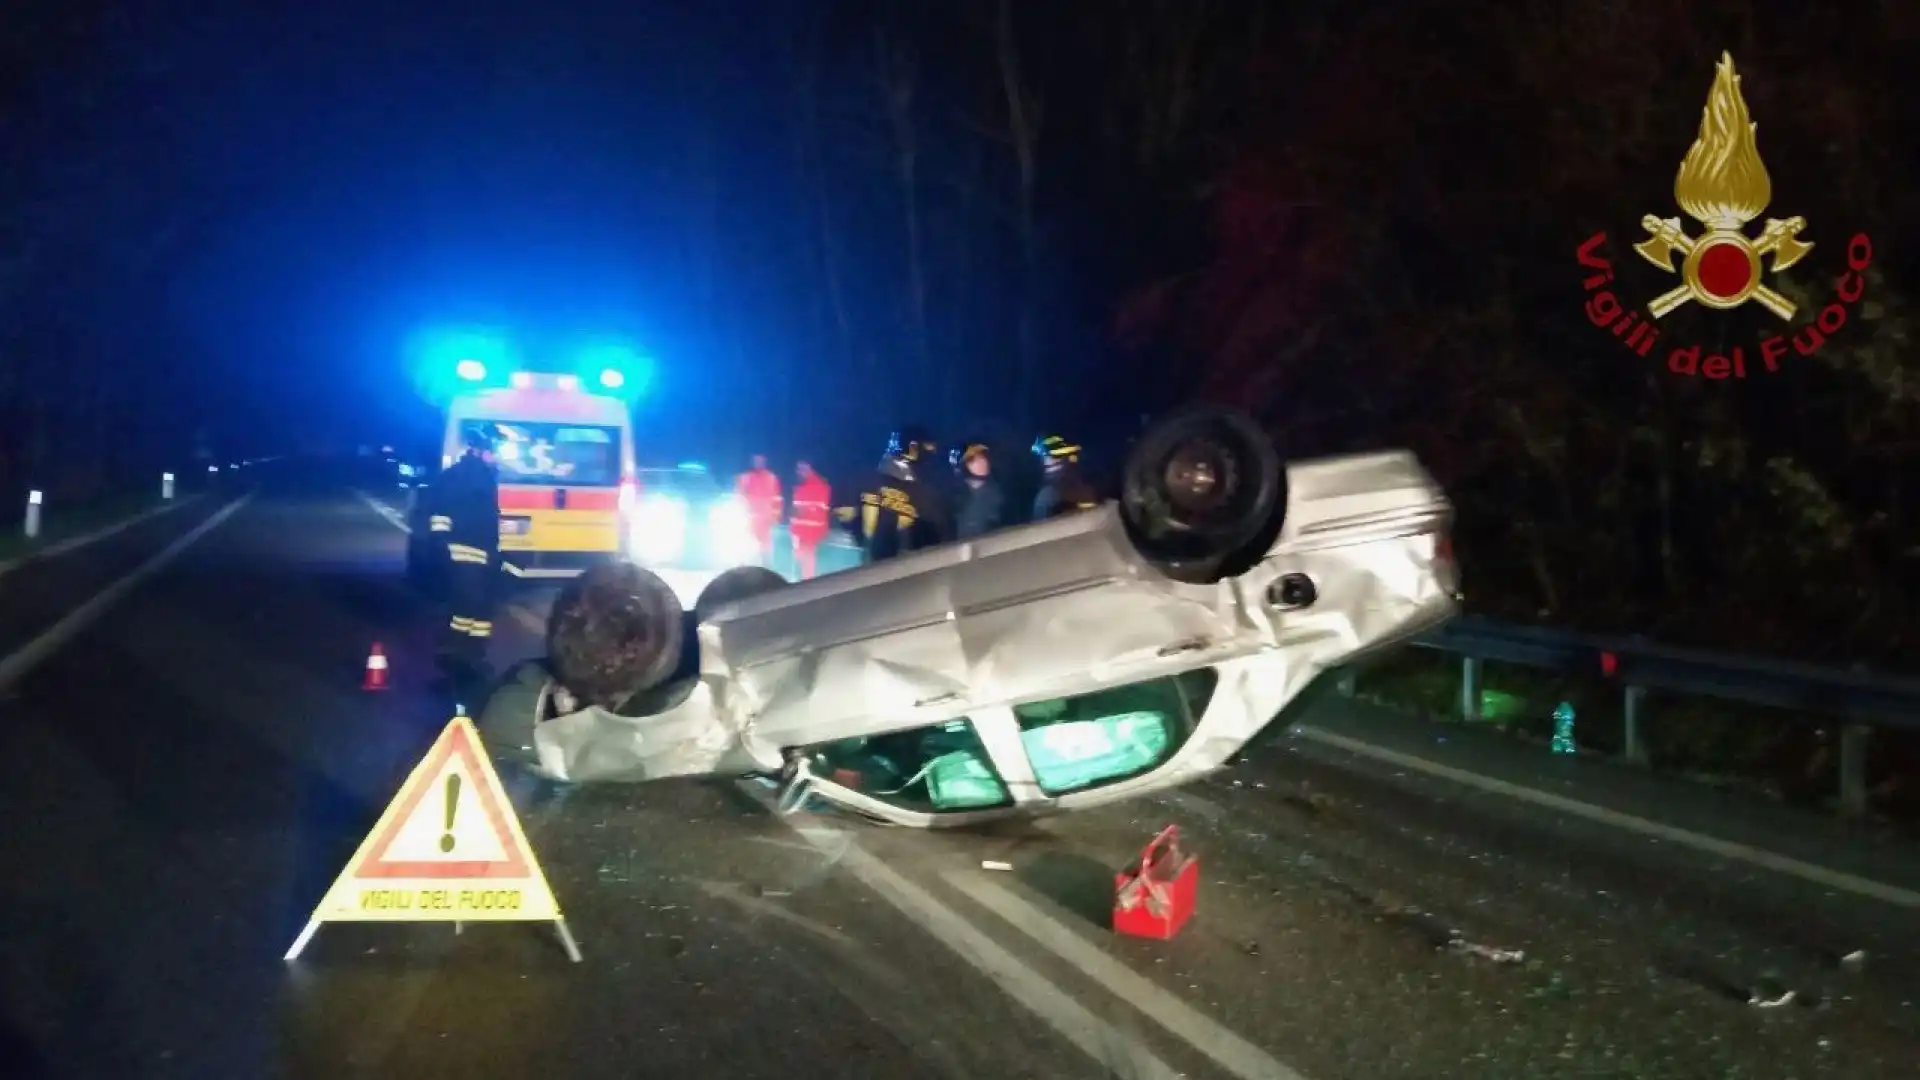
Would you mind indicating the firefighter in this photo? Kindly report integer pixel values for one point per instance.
(980, 503)
(1063, 489)
(812, 502)
(904, 510)
(463, 510)
(761, 489)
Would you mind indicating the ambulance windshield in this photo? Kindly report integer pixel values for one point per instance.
(577, 455)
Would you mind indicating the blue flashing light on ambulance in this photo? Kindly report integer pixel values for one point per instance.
(568, 490)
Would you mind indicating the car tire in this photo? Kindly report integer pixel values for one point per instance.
(1203, 494)
(645, 604)
(736, 584)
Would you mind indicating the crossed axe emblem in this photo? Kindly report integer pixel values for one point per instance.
(1780, 238)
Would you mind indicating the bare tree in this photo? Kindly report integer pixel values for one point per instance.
(1025, 113)
(818, 193)
(896, 78)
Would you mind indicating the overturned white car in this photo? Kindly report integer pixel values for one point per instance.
(1044, 668)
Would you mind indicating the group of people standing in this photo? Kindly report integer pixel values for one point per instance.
(910, 503)
(810, 522)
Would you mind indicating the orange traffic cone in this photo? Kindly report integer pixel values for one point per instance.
(376, 669)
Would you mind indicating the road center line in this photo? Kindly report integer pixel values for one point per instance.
(1712, 845)
(387, 513)
(1120, 1053)
(35, 652)
(1228, 1050)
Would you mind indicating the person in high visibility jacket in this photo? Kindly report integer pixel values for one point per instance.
(1063, 489)
(761, 489)
(463, 511)
(812, 505)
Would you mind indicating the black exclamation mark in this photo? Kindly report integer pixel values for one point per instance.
(453, 803)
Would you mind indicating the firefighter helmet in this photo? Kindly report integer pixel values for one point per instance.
(961, 455)
(1055, 451)
(910, 443)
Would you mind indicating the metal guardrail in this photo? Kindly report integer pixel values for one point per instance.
(1861, 701)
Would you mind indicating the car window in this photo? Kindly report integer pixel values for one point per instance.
(940, 768)
(1114, 734)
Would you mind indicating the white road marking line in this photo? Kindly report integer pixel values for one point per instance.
(73, 542)
(393, 517)
(1728, 849)
(527, 619)
(1100, 1040)
(1228, 1050)
(35, 652)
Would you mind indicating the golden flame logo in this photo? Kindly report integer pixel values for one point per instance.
(1723, 185)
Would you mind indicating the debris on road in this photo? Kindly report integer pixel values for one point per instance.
(1485, 952)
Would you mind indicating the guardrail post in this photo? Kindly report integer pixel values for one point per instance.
(1634, 748)
(1469, 688)
(32, 526)
(166, 487)
(1853, 768)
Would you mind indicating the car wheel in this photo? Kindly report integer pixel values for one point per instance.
(615, 631)
(1204, 494)
(736, 584)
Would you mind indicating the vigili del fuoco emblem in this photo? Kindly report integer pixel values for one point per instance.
(1723, 185)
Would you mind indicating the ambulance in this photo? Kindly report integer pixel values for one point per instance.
(566, 465)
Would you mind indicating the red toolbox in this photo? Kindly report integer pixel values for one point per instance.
(1154, 897)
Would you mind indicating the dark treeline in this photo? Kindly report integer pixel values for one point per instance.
(1358, 221)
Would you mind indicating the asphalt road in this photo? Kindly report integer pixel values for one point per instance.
(194, 767)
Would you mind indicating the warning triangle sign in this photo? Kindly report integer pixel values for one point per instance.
(449, 848)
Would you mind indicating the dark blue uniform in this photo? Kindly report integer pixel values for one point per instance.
(1063, 493)
(463, 510)
(982, 507)
(900, 512)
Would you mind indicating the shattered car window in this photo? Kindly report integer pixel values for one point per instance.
(939, 768)
(1114, 734)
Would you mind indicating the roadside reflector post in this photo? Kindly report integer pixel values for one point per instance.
(166, 487)
(1470, 688)
(1635, 744)
(1854, 739)
(32, 526)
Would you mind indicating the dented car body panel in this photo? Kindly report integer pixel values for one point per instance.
(1042, 668)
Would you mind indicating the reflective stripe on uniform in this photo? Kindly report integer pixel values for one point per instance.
(460, 624)
(462, 553)
(439, 523)
(480, 628)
